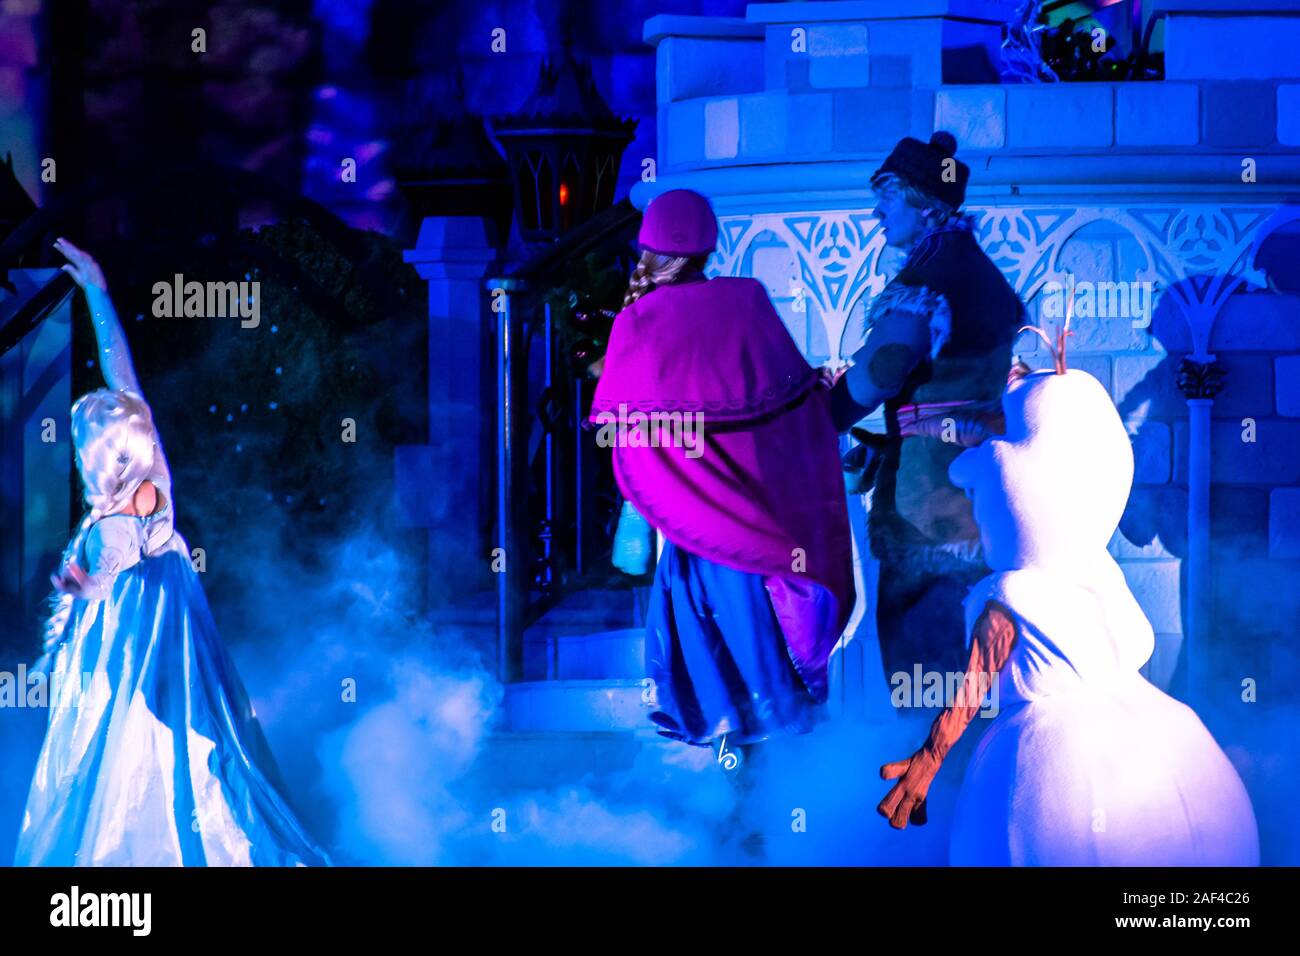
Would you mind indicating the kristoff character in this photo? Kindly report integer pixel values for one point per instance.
(939, 338)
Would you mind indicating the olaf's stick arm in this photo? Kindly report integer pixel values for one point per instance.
(991, 643)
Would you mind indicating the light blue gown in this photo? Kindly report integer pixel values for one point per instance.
(153, 755)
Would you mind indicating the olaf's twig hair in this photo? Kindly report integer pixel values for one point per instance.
(1057, 348)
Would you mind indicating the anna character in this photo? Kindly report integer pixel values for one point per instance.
(754, 584)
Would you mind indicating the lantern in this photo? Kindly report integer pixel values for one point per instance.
(564, 148)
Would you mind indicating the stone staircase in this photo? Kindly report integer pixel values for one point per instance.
(580, 712)
(577, 706)
(584, 669)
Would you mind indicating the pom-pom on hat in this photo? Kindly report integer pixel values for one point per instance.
(679, 222)
(923, 165)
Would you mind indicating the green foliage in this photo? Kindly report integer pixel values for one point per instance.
(584, 304)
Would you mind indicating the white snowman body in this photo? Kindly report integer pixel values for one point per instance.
(1086, 762)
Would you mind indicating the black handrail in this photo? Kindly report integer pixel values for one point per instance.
(47, 299)
(564, 517)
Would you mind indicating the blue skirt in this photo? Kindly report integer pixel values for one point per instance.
(153, 756)
(717, 657)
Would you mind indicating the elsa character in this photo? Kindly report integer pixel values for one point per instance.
(153, 756)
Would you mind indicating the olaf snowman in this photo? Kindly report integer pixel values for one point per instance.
(1086, 763)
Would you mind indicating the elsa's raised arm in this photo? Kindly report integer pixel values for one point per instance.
(114, 353)
(119, 375)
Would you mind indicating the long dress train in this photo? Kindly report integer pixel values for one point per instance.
(153, 755)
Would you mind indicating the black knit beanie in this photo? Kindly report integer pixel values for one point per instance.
(922, 165)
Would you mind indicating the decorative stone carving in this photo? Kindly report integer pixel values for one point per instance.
(1200, 253)
(1200, 379)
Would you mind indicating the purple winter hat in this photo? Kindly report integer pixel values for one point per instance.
(679, 222)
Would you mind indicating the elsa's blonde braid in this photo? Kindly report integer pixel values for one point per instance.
(115, 444)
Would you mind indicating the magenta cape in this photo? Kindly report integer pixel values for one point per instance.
(760, 490)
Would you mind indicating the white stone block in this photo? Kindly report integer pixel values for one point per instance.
(976, 115)
(764, 124)
(1152, 453)
(809, 124)
(1287, 383)
(693, 67)
(1288, 114)
(1157, 114)
(682, 132)
(837, 55)
(1063, 114)
(1231, 48)
(721, 128)
(1284, 523)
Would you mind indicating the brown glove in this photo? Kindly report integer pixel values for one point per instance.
(994, 637)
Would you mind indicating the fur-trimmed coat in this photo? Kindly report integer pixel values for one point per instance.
(941, 331)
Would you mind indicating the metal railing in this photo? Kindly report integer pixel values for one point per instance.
(554, 491)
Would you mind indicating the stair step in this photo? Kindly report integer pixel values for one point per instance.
(532, 761)
(594, 609)
(577, 706)
(598, 656)
(589, 655)
(605, 623)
